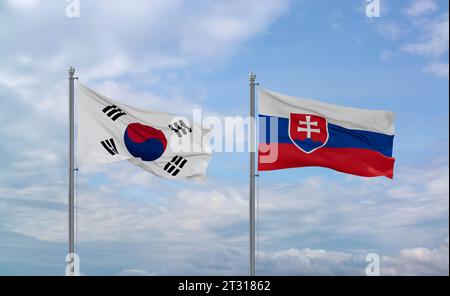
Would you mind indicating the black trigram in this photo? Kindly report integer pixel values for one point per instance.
(180, 128)
(113, 112)
(174, 166)
(110, 146)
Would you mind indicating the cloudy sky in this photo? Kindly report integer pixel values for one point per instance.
(197, 54)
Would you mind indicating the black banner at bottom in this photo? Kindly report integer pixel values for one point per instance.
(209, 285)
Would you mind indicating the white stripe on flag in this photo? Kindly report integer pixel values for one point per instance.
(280, 105)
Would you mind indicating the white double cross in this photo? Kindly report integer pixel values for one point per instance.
(308, 129)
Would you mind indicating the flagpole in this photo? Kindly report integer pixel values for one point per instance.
(71, 72)
(252, 78)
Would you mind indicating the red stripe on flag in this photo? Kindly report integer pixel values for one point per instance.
(360, 162)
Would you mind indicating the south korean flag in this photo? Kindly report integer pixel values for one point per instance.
(164, 144)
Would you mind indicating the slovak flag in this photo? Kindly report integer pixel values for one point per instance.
(164, 144)
(295, 132)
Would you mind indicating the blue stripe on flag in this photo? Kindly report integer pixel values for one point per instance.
(339, 137)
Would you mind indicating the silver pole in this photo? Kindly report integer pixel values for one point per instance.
(71, 170)
(252, 78)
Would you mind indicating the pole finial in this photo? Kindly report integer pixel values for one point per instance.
(252, 77)
(71, 71)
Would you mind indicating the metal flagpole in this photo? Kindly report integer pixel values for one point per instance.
(252, 78)
(71, 171)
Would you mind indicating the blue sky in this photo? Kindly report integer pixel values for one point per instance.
(197, 54)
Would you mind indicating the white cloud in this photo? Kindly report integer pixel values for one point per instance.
(421, 7)
(23, 4)
(416, 261)
(160, 38)
(177, 223)
(17, 82)
(437, 69)
(213, 218)
(434, 41)
(307, 262)
(428, 35)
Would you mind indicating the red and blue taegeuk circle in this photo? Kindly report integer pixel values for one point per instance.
(145, 142)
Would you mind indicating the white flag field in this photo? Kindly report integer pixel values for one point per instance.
(164, 144)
